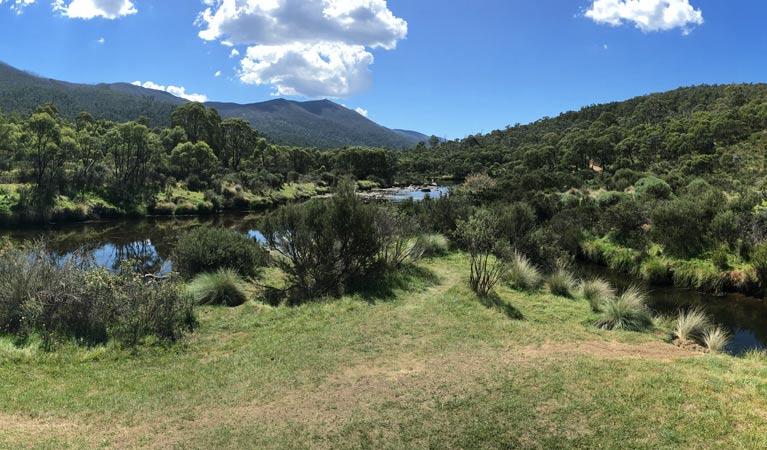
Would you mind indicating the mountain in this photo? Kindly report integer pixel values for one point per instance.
(321, 124)
(414, 135)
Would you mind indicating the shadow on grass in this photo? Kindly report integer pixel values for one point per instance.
(383, 285)
(494, 301)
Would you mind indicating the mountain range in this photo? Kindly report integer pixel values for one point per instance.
(322, 124)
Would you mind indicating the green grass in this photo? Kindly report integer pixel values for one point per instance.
(429, 366)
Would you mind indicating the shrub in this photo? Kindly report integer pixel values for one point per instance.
(698, 274)
(759, 261)
(716, 339)
(42, 295)
(629, 312)
(691, 326)
(432, 245)
(616, 257)
(324, 245)
(561, 283)
(655, 270)
(224, 287)
(596, 291)
(208, 249)
(653, 187)
(479, 234)
(522, 274)
(395, 232)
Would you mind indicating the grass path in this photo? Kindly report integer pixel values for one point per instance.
(424, 366)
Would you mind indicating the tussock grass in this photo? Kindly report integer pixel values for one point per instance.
(655, 270)
(755, 354)
(224, 287)
(629, 312)
(561, 283)
(522, 274)
(431, 245)
(716, 339)
(691, 325)
(596, 291)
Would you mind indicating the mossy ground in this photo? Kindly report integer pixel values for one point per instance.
(417, 363)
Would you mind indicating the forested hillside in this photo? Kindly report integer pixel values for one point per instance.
(319, 124)
(668, 186)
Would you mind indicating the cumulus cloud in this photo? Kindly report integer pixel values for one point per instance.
(647, 15)
(89, 9)
(311, 48)
(217, 74)
(101, 40)
(362, 112)
(235, 53)
(174, 90)
(18, 5)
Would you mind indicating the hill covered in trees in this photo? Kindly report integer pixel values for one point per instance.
(320, 124)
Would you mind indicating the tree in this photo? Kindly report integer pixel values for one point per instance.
(198, 160)
(44, 137)
(132, 148)
(193, 118)
(239, 142)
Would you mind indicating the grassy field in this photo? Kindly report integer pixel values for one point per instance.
(423, 365)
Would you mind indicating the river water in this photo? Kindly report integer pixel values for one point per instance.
(151, 241)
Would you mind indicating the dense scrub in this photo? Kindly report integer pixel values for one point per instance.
(208, 249)
(41, 295)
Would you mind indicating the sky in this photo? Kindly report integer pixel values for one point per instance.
(445, 67)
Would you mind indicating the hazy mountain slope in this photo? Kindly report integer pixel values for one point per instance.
(321, 124)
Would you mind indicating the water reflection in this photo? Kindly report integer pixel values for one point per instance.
(745, 317)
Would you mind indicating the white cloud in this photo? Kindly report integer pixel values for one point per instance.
(647, 15)
(18, 5)
(311, 48)
(217, 74)
(362, 112)
(89, 9)
(101, 40)
(173, 90)
(235, 53)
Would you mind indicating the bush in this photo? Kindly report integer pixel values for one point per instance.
(207, 249)
(759, 261)
(324, 245)
(655, 270)
(692, 325)
(479, 233)
(561, 283)
(432, 245)
(39, 294)
(224, 287)
(698, 274)
(522, 274)
(629, 312)
(596, 291)
(653, 187)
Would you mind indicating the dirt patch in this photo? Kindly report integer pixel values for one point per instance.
(612, 350)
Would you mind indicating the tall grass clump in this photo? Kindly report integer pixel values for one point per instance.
(691, 325)
(208, 249)
(716, 339)
(430, 245)
(596, 291)
(561, 283)
(629, 312)
(223, 287)
(655, 270)
(755, 354)
(522, 274)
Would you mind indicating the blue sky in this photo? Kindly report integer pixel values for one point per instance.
(445, 67)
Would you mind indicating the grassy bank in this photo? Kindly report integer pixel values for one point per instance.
(422, 364)
(173, 201)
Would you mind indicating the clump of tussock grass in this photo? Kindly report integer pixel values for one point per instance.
(224, 287)
(716, 339)
(755, 354)
(596, 291)
(561, 283)
(663, 322)
(429, 245)
(629, 312)
(522, 274)
(691, 325)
